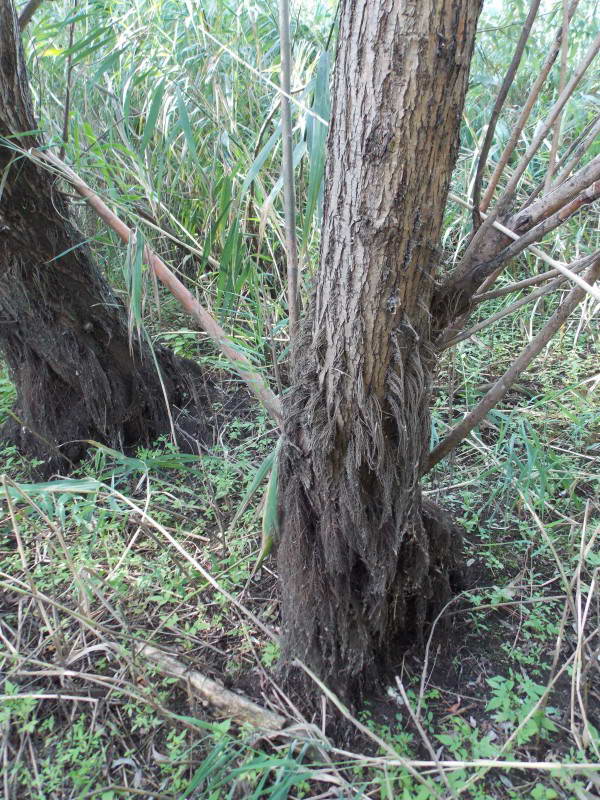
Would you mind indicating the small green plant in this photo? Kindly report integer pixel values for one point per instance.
(512, 700)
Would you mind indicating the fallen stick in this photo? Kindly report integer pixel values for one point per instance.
(228, 704)
(207, 322)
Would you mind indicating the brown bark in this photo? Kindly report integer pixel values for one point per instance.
(62, 331)
(363, 561)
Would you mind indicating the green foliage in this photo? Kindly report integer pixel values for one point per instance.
(511, 701)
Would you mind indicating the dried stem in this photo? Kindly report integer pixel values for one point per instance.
(506, 84)
(569, 195)
(519, 365)
(534, 234)
(544, 129)
(571, 158)
(517, 286)
(65, 131)
(229, 704)
(288, 168)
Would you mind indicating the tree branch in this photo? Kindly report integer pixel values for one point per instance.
(503, 384)
(534, 234)
(564, 51)
(507, 196)
(506, 84)
(26, 15)
(242, 365)
(517, 286)
(454, 298)
(524, 115)
(571, 158)
(510, 309)
(228, 704)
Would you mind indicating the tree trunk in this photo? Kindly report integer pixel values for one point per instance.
(363, 560)
(62, 331)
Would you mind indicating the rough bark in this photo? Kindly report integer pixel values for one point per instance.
(63, 333)
(363, 560)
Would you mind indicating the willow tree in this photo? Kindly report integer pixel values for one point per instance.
(364, 560)
(63, 333)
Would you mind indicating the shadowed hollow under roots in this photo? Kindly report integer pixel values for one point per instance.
(364, 561)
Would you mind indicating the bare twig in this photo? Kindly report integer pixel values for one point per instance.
(242, 365)
(469, 282)
(507, 196)
(288, 168)
(534, 234)
(567, 163)
(65, 132)
(505, 312)
(226, 703)
(524, 115)
(506, 84)
(543, 130)
(517, 286)
(564, 50)
(501, 387)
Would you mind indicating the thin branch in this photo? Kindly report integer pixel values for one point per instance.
(560, 196)
(240, 362)
(544, 129)
(26, 15)
(516, 286)
(65, 132)
(508, 194)
(508, 310)
(526, 111)
(571, 158)
(564, 51)
(501, 387)
(502, 94)
(288, 168)
(466, 283)
(456, 283)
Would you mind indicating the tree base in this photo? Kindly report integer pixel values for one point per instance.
(351, 640)
(122, 406)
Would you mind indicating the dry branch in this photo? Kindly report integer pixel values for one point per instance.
(560, 196)
(564, 51)
(505, 312)
(517, 286)
(570, 158)
(524, 116)
(503, 384)
(505, 200)
(506, 84)
(534, 234)
(226, 703)
(242, 365)
(463, 284)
